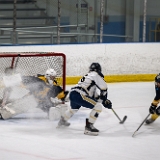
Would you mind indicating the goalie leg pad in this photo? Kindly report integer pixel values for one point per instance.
(55, 113)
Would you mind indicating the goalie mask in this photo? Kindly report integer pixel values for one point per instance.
(50, 75)
(97, 68)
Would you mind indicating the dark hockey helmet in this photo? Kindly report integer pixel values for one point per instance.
(95, 67)
(157, 78)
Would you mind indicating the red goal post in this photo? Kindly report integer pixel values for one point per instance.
(33, 63)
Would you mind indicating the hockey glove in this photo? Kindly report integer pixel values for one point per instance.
(55, 101)
(66, 96)
(158, 111)
(107, 104)
(152, 108)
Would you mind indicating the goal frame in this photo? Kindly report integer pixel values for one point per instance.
(37, 54)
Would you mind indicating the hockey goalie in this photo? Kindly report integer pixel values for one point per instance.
(23, 93)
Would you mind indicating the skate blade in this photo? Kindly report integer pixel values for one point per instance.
(91, 133)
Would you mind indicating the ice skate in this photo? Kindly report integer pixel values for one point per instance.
(90, 129)
(63, 122)
(149, 121)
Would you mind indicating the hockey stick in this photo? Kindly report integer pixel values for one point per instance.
(121, 121)
(141, 124)
(16, 63)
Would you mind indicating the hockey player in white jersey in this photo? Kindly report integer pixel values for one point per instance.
(84, 94)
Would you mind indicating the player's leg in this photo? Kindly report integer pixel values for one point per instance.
(67, 115)
(70, 111)
(78, 100)
(89, 128)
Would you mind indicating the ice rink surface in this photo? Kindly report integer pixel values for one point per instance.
(32, 136)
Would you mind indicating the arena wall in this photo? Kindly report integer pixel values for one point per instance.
(122, 62)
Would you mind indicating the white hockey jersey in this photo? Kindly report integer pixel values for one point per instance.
(90, 84)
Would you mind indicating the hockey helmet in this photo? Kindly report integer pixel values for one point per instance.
(95, 67)
(157, 78)
(50, 73)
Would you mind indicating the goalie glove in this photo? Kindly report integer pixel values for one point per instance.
(107, 104)
(66, 96)
(55, 100)
(152, 108)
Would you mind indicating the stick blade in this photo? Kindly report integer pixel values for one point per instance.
(124, 119)
(134, 133)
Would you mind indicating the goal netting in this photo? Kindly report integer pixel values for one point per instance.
(31, 64)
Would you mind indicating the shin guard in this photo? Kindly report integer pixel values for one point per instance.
(95, 112)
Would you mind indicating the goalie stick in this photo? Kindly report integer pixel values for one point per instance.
(141, 124)
(121, 121)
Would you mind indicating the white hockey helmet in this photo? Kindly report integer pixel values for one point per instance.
(50, 74)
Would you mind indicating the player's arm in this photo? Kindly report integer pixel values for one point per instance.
(102, 86)
(59, 92)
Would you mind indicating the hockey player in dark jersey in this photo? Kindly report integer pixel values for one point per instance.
(29, 92)
(41, 92)
(50, 79)
(155, 108)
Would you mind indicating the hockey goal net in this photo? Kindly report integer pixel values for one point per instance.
(32, 64)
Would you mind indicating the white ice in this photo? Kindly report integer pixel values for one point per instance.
(32, 136)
